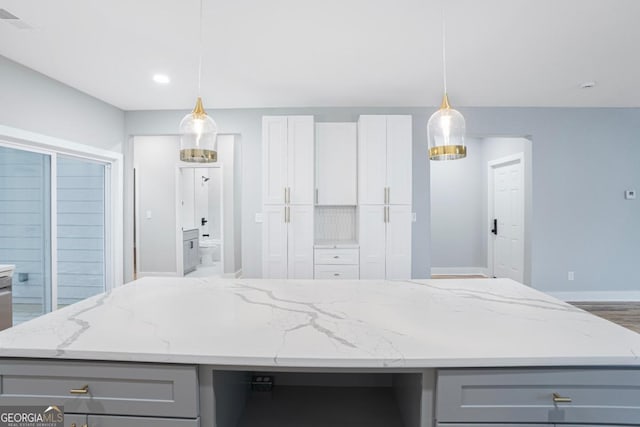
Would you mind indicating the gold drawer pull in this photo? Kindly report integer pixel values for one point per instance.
(83, 390)
(560, 399)
(336, 257)
(73, 424)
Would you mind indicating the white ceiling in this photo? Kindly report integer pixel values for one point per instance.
(296, 53)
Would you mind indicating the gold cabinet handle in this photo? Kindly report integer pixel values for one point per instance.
(560, 399)
(288, 194)
(73, 424)
(336, 257)
(288, 212)
(83, 390)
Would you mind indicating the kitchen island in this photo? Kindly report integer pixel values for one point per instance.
(229, 352)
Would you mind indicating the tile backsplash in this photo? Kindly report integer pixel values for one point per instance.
(335, 223)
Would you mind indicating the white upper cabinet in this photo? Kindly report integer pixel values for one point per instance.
(399, 160)
(336, 164)
(287, 144)
(384, 160)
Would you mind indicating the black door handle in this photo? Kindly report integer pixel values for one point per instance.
(203, 221)
(494, 230)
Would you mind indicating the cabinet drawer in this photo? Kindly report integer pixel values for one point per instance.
(336, 272)
(107, 421)
(605, 396)
(336, 256)
(112, 388)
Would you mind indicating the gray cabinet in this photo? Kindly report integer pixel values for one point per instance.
(190, 256)
(94, 389)
(538, 395)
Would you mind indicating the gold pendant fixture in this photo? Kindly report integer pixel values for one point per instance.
(446, 127)
(198, 131)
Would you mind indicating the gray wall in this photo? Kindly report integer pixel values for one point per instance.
(580, 220)
(155, 164)
(37, 103)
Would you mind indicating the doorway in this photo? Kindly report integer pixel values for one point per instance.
(461, 218)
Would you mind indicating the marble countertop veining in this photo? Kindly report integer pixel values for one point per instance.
(326, 324)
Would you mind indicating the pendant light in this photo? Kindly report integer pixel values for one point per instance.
(446, 127)
(198, 131)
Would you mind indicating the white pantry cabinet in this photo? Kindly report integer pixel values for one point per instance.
(384, 191)
(336, 164)
(385, 242)
(288, 172)
(288, 165)
(384, 160)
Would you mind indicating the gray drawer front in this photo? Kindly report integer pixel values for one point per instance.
(107, 421)
(606, 396)
(75, 420)
(113, 388)
(494, 425)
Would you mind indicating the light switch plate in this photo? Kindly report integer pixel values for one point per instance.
(259, 218)
(630, 194)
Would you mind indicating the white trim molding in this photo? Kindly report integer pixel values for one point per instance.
(459, 271)
(597, 296)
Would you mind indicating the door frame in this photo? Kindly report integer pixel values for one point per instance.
(491, 166)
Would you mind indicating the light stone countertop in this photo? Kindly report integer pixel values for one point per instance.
(326, 324)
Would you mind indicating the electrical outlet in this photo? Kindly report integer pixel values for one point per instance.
(630, 194)
(570, 275)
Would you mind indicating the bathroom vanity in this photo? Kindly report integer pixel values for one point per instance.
(215, 352)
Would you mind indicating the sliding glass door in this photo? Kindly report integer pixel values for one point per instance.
(25, 229)
(53, 226)
(80, 229)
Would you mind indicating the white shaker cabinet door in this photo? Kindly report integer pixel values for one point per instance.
(300, 242)
(274, 242)
(372, 241)
(300, 162)
(372, 159)
(336, 164)
(398, 242)
(399, 145)
(274, 159)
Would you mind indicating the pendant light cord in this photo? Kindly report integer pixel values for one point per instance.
(444, 51)
(200, 56)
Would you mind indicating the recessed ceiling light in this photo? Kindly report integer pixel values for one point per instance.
(587, 85)
(161, 79)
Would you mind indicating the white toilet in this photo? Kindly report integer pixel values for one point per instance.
(209, 250)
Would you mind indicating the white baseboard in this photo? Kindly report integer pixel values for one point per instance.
(459, 271)
(142, 274)
(597, 296)
(235, 275)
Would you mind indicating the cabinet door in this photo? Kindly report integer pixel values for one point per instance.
(300, 242)
(372, 241)
(115, 421)
(274, 159)
(336, 164)
(398, 248)
(300, 162)
(372, 159)
(75, 420)
(399, 146)
(274, 242)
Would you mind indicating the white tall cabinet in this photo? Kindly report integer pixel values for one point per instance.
(384, 196)
(288, 196)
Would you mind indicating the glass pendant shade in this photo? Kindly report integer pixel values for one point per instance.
(198, 134)
(445, 133)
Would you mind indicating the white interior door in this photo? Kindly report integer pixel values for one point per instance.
(507, 234)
